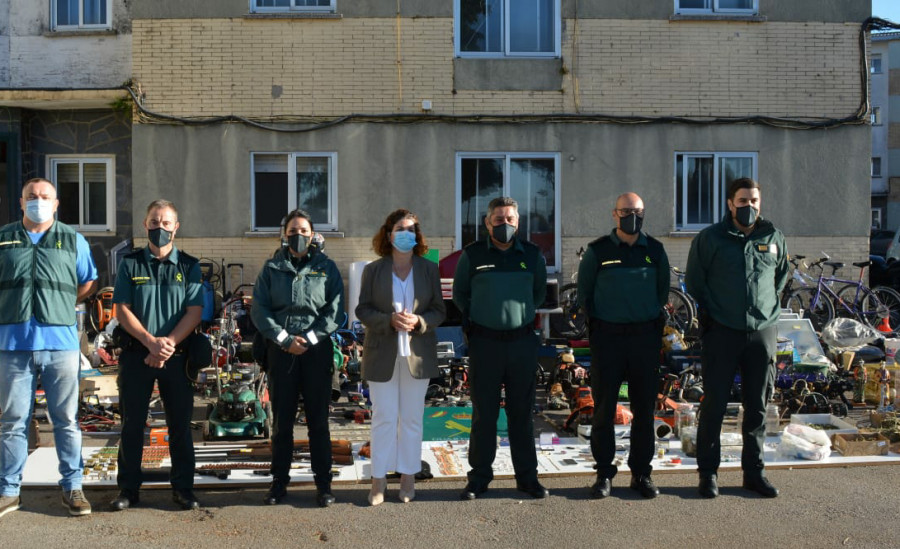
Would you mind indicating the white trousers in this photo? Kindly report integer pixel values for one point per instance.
(397, 409)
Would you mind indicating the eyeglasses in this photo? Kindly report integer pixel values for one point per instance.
(628, 211)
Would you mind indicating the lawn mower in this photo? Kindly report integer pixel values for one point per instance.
(241, 409)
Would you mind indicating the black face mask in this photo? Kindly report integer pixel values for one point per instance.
(746, 215)
(298, 242)
(503, 233)
(159, 237)
(631, 224)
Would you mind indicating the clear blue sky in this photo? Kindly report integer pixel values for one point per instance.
(886, 9)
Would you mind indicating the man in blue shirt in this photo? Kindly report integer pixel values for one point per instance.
(45, 269)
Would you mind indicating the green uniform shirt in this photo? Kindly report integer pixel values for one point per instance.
(298, 296)
(158, 292)
(500, 289)
(737, 279)
(621, 283)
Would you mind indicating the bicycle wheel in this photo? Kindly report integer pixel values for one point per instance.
(870, 305)
(852, 300)
(820, 314)
(572, 322)
(890, 300)
(679, 311)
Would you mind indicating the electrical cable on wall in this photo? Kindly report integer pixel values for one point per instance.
(313, 123)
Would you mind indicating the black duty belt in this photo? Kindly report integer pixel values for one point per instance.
(625, 328)
(500, 335)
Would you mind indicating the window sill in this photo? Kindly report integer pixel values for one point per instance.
(718, 17)
(684, 234)
(85, 32)
(276, 234)
(294, 15)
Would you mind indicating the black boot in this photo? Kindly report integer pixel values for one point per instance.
(276, 492)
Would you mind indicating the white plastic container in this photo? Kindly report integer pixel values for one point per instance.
(891, 346)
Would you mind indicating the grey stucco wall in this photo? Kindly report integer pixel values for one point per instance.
(206, 171)
(775, 10)
(507, 74)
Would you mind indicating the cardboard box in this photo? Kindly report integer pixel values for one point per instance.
(861, 444)
(843, 427)
(101, 386)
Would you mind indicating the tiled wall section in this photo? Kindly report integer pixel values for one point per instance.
(264, 68)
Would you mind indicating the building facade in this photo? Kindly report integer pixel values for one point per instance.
(350, 109)
(64, 115)
(885, 91)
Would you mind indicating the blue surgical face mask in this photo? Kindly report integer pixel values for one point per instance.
(404, 241)
(39, 210)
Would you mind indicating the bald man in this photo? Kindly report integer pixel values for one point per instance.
(623, 283)
(45, 269)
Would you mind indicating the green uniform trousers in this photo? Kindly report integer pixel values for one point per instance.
(727, 352)
(135, 388)
(513, 365)
(624, 352)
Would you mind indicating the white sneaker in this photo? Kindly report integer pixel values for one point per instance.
(8, 504)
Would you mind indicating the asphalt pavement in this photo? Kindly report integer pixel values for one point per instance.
(824, 507)
(835, 507)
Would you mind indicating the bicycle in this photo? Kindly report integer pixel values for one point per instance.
(857, 294)
(858, 301)
(680, 307)
(799, 278)
(572, 322)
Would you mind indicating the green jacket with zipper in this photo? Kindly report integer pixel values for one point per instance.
(298, 296)
(737, 279)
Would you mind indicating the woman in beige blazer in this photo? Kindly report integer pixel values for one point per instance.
(400, 304)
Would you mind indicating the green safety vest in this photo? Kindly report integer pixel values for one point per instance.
(38, 279)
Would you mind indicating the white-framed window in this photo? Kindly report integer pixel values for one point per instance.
(532, 179)
(739, 7)
(701, 182)
(262, 6)
(876, 166)
(86, 189)
(80, 14)
(507, 28)
(281, 182)
(876, 218)
(875, 117)
(875, 64)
